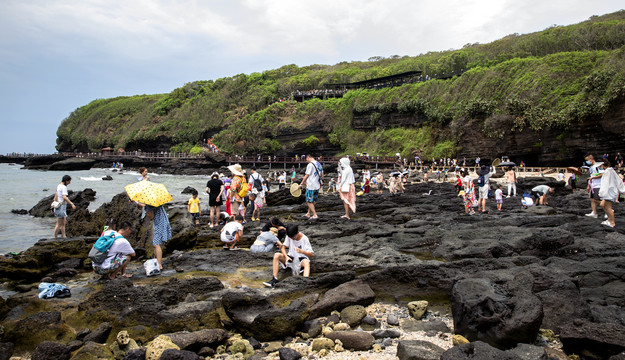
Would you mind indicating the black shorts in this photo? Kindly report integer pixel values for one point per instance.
(195, 216)
(594, 194)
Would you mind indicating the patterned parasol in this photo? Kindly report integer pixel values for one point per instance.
(149, 193)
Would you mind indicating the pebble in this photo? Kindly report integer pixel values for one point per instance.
(392, 320)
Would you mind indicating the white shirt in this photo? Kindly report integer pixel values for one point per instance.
(302, 243)
(312, 183)
(594, 170)
(498, 194)
(60, 191)
(230, 230)
(120, 246)
(282, 179)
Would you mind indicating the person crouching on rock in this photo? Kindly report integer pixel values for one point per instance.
(268, 240)
(119, 253)
(231, 233)
(299, 249)
(540, 193)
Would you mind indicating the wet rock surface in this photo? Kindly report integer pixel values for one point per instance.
(505, 275)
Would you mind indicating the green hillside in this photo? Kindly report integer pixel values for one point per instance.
(549, 79)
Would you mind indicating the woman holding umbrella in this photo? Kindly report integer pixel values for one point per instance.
(154, 196)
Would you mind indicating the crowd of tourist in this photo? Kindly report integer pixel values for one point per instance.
(234, 196)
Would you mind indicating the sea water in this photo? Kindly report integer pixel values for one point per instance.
(23, 189)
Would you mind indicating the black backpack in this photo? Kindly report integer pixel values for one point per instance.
(258, 185)
(481, 181)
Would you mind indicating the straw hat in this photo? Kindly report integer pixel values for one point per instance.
(296, 191)
(274, 231)
(236, 169)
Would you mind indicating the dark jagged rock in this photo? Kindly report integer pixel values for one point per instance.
(593, 340)
(284, 197)
(107, 178)
(48, 350)
(353, 340)
(173, 354)
(41, 258)
(100, 334)
(188, 190)
(80, 199)
(19, 211)
(289, 354)
(198, 339)
(72, 164)
(135, 354)
(477, 351)
(418, 349)
(500, 316)
(92, 350)
(6, 350)
(352, 293)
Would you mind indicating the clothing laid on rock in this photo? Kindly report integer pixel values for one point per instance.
(50, 290)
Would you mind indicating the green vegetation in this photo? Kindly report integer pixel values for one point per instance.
(549, 79)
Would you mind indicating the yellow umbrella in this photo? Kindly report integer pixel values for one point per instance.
(149, 193)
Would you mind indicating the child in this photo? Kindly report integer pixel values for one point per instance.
(499, 197)
(259, 202)
(193, 207)
(231, 233)
(299, 249)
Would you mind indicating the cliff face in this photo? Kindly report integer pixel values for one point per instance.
(552, 146)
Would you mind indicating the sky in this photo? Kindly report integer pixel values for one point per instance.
(58, 55)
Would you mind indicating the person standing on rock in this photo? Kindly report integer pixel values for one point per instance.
(215, 189)
(611, 186)
(162, 230)
(347, 189)
(484, 187)
(469, 193)
(511, 179)
(61, 212)
(312, 182)
(594, 184)
(236, 187)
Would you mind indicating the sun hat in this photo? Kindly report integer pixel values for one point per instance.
(274, 231)
(215, 175)
(236, 169)
(296, 191)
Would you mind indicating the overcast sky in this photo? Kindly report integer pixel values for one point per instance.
(58, 55)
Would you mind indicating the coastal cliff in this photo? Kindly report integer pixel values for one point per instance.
(544, 98)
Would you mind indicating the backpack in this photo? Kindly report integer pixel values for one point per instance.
(481, 181)
(243, 189)
(319, 171)
(100, 250)
(258, 185)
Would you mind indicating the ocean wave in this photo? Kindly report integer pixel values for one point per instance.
(90, 178)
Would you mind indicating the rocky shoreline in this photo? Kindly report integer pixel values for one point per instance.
(538, 283)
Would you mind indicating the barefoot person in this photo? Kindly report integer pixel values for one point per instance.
(347, 190)
(61, 211)
(215, 189)
(119, 253)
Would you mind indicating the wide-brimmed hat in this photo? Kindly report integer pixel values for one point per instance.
(484, 170)
(236, 169)
(296, 190)
(274, 231)
(215, 174)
